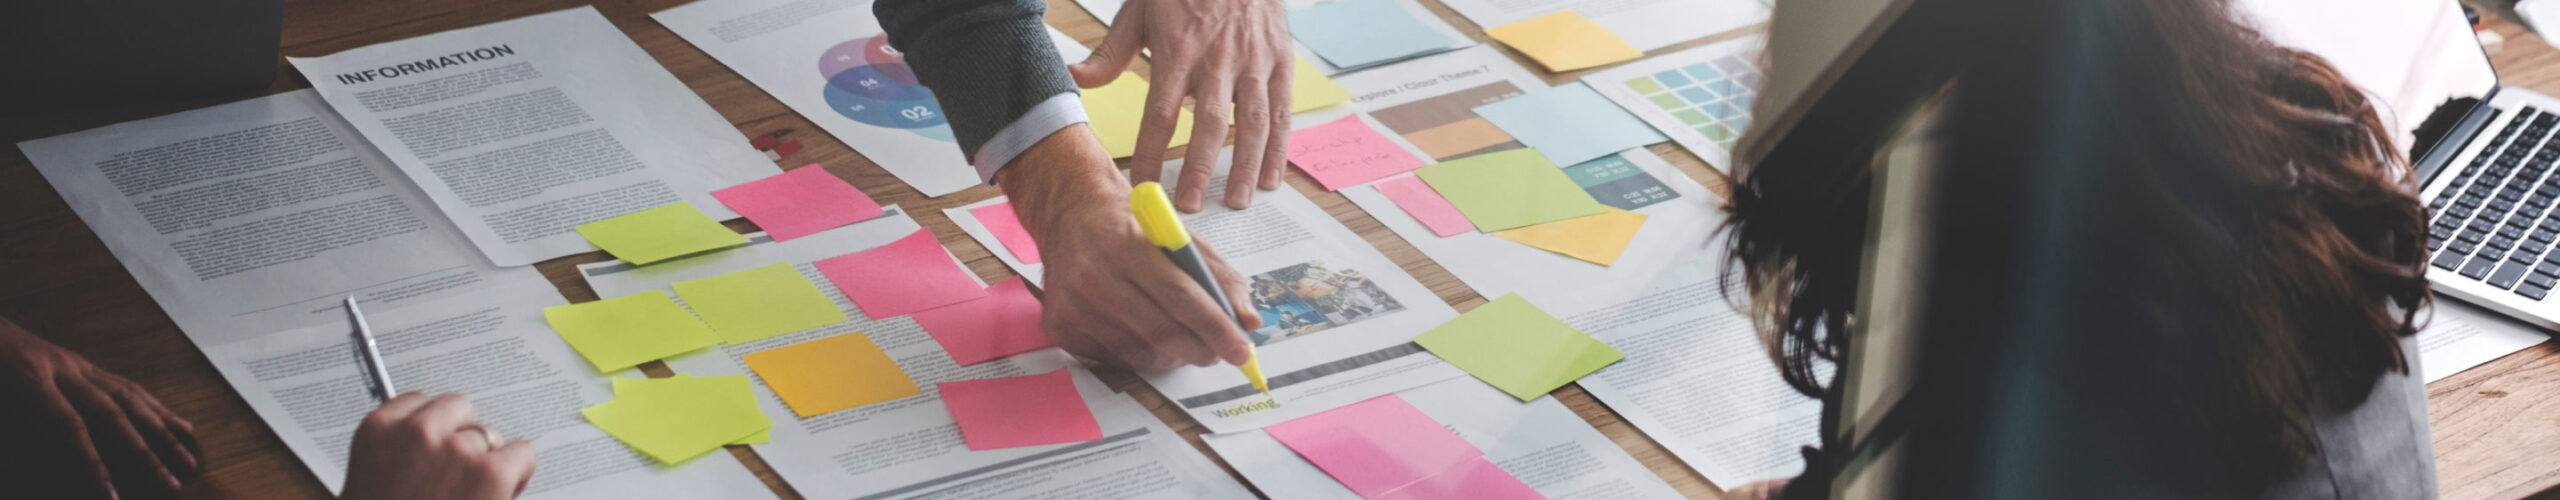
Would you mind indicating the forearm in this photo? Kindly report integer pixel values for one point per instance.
(1064, 173)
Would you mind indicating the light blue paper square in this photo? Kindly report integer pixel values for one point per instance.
(1569, 124)
(1356, 33)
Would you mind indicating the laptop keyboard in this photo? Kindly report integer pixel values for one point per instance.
(2494, 222)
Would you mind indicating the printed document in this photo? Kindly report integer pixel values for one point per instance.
(249, 221)
(2458, 336)
(1542, 442)
(828, 61)
(521, 130)
(911, 447)
(1646, 24)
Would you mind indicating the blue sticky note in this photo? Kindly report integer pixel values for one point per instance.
(1356, 33)
(1570, 124)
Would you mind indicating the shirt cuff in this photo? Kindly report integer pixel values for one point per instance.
(1048, 117)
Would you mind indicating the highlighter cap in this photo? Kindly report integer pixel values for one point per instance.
(1155, 216)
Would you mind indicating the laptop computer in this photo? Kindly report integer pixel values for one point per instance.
(2490, 193)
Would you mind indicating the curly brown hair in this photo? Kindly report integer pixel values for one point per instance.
(2276, 238)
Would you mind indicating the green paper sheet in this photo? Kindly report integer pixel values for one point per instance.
(676, 419)
(1518, 348)
(621, 332)
(1510, 189)
(662, 233)
(754, 304)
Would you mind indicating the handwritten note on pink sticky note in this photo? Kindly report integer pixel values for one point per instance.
(1347, 152)
(799, 203)
(1375, 446)
(999, 219)
(1005, 323)
(1418, 200)
(1013, 412)
(902, 277)
(1475, 480)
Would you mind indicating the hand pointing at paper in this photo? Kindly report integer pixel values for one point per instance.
(1232, 60)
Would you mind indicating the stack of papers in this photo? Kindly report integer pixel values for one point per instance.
(1565, 41)
(1518, 347)
(673, 420)
(829, 374)
(1384, 448)
(750, 305)
(1013, 412)
(618, 333)
(666, 232)
(799, 203)
(902, 277)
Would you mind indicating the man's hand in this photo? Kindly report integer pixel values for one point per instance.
(1109, 294)
(428, 448)
(71, 430)
(1232, 58)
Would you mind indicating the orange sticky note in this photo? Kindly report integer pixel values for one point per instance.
(1013, 412)
(830, 374)
(1005, 323)
(1565, 41)
(902, 277)
(1348, 152)
(1597, 239)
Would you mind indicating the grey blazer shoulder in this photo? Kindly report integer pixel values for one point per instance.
(986, 61)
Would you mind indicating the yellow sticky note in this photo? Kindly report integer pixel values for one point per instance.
(1310, 89)
(1565, 41)
(662, 233)
(751, 305)
(617, 333)
(1597, 239)
(673, 420)
(1517, 347)
(830, 374)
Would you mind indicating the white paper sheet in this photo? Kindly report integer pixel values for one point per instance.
(1715, 97)
(2461, 336)
(248, 222)
(828, 61)
(1646, 24)
(1541, 442)
(909, 447)
(521, 130)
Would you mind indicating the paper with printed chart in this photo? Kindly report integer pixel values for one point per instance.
(827, 60)
(1701, 97)
(1338, 317)
(254, 277)
(1646, 24)
(1431, 102)
(1542, 443)
(911, 447)
(521, 130)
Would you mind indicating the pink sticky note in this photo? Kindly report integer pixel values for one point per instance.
(799, 203)
(1347, 152)
(1375, 446)
(999, 219)
(1417, 199)
(1475, 480)
(902, 277)
(1013, 412)
(1005, 323)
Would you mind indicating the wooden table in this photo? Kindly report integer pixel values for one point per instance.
(2497, 427)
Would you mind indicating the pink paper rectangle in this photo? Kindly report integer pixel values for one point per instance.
(902, 277)
(1375, 446)
(1417, 199)
(1347, 152)
(799, 203)
(1012, 412)
(1476, 480)
(1005, 323)
(999, 219)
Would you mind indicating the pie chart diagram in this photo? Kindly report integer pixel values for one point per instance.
(870, 83)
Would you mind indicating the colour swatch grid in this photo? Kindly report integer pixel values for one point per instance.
(1713, 97)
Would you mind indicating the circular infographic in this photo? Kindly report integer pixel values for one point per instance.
(870, 83)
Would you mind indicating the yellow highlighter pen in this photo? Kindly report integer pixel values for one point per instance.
(1164, 229)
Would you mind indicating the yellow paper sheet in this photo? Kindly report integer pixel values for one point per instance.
(1565, 41)
(830, 374)
(662, 233)
(674, 420)
(1517, 347)
(1597, 239)
(751, 305)
(1115, 110)
(618, 333)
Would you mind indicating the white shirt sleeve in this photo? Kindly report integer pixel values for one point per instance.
(1048, 117)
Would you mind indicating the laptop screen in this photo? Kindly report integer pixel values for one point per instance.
(2409, 56)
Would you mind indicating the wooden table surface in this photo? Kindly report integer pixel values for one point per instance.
(2497, 427)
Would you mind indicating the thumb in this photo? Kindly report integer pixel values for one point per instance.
(1119, 47)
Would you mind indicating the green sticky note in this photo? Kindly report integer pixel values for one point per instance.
(1518, 348)
(676, 419)
(622, 332)
(754, 304)
(1509, 189)
(662, 233)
